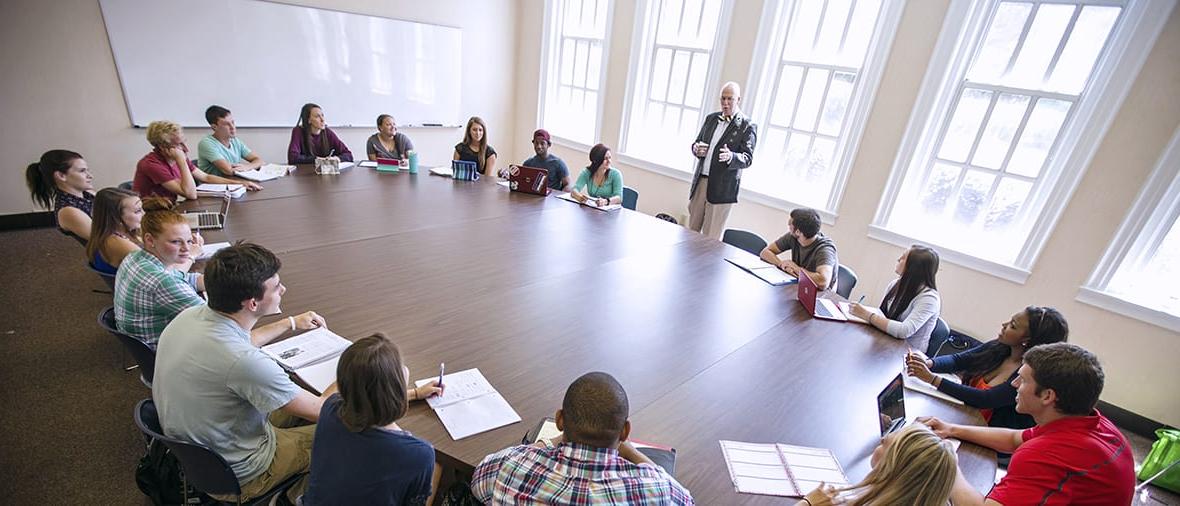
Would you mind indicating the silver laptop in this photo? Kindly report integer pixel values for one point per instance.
(202, 220)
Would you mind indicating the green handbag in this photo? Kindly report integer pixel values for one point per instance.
(1165, 451)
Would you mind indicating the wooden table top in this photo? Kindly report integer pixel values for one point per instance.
(538, 291)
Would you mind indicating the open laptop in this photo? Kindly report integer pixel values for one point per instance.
(201, 220)
(817, 306)
(891, 406)
(528, 180)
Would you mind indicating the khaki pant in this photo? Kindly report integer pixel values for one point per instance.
(292, 457)
(708, 219)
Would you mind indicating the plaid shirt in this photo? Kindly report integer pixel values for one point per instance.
(572, 473)
(148, 296)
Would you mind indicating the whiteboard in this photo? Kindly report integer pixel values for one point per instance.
(264, 60)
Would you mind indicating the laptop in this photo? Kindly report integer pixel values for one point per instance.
(891, 406)
(202, 220)
(817, 306)
(528, 180)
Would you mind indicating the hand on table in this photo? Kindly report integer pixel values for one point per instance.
(789, 267)
(251, 186)
(428, 390)
(309, 320)
(862, 312)
(939, 427)
(601, 202)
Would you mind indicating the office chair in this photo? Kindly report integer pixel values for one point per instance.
(144, 355)
(744, 240)
(630, 198)
(845, 280)
(107, 278)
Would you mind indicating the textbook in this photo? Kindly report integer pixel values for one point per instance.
(266, 172)
(589, 203)
(663, 456)
(220, 190)
(917, 385)
(469, 405)
(764, 271)
(779, 469)
(312, 356)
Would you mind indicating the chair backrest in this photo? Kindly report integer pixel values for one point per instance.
(125, 185)
(845, 280)
(743, 239)
(630, 198)
(938, 336)
(143, 354)
(203, 468)
(107, 277)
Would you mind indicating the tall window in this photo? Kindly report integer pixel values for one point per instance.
(573, 68)
(1005, 125)
(1142, 266)
(673, 65)
(817, 95)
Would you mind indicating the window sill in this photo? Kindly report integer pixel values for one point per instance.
(1118, 305)
(999, 270)
(570, 144)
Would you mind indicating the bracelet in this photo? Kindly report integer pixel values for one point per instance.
(806, 501)
(292, 320)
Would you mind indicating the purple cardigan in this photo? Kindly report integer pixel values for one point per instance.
(298, 153)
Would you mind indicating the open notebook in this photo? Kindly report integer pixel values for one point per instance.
(469, 405)
(779, 469)
(589, 203)
(312, 356)
(266, 172)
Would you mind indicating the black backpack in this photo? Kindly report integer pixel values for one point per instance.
(160, 478)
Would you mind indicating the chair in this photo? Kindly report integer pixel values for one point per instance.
(743, 239)
(845, 280)
(125, 185)
(207, 470)
(107, 278)
(143, 354)
(939, 335)
(630, 198)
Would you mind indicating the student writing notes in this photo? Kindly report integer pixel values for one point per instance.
(167, 172)
(1073, 455)
(911, 305)
(599, 181)
(812, 253)
(312, 138)
(61, 181)
(222, 153)
(475, 147)
(590, 463)
(988, 370)
(388, 142)
(361, 456)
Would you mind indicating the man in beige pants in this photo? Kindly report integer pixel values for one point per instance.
(723, 148)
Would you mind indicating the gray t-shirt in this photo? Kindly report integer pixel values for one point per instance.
(215, 388)
(401, 146)
(820, 252)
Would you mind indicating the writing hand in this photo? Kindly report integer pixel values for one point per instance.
(428, 390)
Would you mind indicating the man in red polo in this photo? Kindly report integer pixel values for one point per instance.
(1074, 455)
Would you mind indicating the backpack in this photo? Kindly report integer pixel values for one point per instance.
(160, 478)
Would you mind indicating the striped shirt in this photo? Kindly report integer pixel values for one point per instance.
(572, 473)
(148, 296)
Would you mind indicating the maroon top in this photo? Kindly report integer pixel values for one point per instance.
(152, 171)
(298, 153)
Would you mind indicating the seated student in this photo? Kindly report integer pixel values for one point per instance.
(114, 232)
(222, 153)
(61, 181)
(214, 387)
(159, 173)
(912, 466)
(812, 253)
(361, 456)
(388, 142)
(149, 290)
(1073, 455)
(590, 463)
(911, 305)
(475, 148)
(599, 181)
(989, 370)
(559, 174)
(312, 138)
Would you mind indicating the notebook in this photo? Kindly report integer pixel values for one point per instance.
(780, 469)
(311, 356)
(769, 273)
(469, 405)
(918, 385)
(846, 308)
(218, 190)
(590, 203)
(663, 456)
(266, 172)
(817, 306)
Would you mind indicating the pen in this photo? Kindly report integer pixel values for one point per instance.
(442, 367)
(861, 299)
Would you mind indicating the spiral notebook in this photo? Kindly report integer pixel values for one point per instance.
(779, 469)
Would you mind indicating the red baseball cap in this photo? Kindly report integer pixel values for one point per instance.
(542, 134)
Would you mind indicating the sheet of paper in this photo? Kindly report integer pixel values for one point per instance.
(460, 386)
(345, 165)
(845, 307)
(319, 375)
(917, 385)
(589, 202)
(209, 249)
(442, 171)
(548, 430)
(307, 348)
(372, 164)
(469, 405)
(746, 261)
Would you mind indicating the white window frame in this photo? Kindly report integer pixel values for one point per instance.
(549, 62)
(1156, 208)
(1114, 72)
(767, 52)
(641, 53)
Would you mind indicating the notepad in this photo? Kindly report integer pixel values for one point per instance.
(589, 202)
(312, 356)
(220, 190)
(917, 385)
(846, 308)
(442, 171)
(372, 164)
(762, 270)
(469, 404)
(780, 469)
(266, 172)
(209, 249)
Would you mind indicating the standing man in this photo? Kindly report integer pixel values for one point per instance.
(222, 153)
(724, 147)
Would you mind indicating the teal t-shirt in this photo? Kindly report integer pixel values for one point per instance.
(211, 149)
(611, 187)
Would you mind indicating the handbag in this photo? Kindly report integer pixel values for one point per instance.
(1165, 452)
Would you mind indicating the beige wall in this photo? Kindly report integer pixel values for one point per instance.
(60, 80)
(1139, 358)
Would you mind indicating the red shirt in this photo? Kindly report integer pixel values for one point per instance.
(152, 171)
(1074, 460)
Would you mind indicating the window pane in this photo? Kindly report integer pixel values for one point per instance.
(1039, 45)
(939, 188)
(1089, 36)
(860, 32)
(1001, 127)
(660, 73)
(809, 101)
(839, 92)
(827, 47)
(696, 80)
(593, 71)
(669, 14)
(801, 34)
(1006, 204)
(678, 78)
(581, 53)
(1039, 135)
(1002, 36)
(819, 164)
(788, 91)
(972, 196)
(960, 136)
(1154, 283)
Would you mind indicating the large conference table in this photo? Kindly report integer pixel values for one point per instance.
(537, 291)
